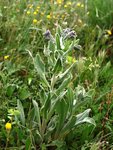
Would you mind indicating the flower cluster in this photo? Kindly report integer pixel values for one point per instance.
(47, 35)
(69, 34)
(41, 14)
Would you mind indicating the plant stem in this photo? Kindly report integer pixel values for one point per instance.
(7, 140)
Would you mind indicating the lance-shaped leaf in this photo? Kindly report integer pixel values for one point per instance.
(76, 120)
(40, 67)
(54, 104)
(53, 81)
(46, 106)
(21, 110)
(51, 46)
(84, 117)
(61, 43)
(58, 66)
(62, 110)
(70, 99)
(71, 47)
(58, 41)
(64, 84)
(63, 75)
(68, 125)
(37, 113)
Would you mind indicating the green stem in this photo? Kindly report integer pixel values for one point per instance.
(7, 140)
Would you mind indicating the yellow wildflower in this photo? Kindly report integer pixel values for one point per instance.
(8, 126)
(48, 17)
(78, 4)
(6, 57)
(38, 7)
(28, 12)
(35, 13)
(35, 21)
(59, 1)
(70, 60)
(65, 6)
(109, 32)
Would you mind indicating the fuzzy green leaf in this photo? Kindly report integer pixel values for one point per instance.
(58, 66)
(21, 110)
(64, 84)
(54, 104)
(39, 65)
(47, 106)
(62, 110)
(37, 113)
(83, 117)
(58, 41)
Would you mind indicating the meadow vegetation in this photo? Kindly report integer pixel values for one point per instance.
(56, 75)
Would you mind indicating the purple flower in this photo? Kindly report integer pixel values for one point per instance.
(68, 33)
(71, 35)
(47, 35)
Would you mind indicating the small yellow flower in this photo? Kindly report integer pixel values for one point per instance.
(78, 4)
(59, 1)
(35, 21)
(65, 6)
(38, 7)
(70, 60)
(35, 13)
(28, 12)
(48, 17)
(109, 32)
(8, 126)
(6, 57)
